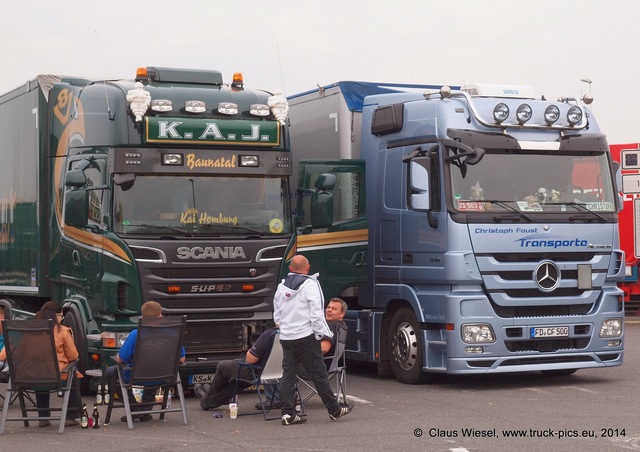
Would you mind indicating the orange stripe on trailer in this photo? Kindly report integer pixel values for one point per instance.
(332, 238)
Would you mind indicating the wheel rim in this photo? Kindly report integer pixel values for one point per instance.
(405, 346)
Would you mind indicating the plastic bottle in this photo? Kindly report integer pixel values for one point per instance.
(137, 393)
(84, 420)
(99, 395)
(107, 396)
(96, 416)
(169, 398)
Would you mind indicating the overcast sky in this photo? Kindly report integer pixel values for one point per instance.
(296, 45)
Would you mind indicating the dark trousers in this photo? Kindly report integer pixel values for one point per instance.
(306, 354)
(75, 405)
(223, 387)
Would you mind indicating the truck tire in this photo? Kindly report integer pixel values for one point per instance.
(72, 320)
(406, 348)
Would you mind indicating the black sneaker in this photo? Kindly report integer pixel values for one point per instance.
(343, 411)
(287, 419)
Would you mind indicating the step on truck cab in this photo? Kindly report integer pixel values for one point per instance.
(470, 230)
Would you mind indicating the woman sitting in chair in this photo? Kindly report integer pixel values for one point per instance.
(67, 352)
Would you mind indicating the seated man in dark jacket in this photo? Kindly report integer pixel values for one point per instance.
(223, 387)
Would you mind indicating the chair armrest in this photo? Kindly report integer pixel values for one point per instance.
(70, 367)
(253, 368)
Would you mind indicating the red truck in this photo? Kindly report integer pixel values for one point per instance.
(628, 155)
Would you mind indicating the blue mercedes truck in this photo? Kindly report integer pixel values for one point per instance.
(471, 230)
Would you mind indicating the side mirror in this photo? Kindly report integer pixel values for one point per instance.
(322, 201)
(326, 181)
(419, 179)
(76, 208)
(75, 178)
(125, 180)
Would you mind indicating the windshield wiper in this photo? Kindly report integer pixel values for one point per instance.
(167, 228)
(234, 228)
(506, 205)
(582, 208)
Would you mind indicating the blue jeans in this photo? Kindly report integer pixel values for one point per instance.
(307, 354)
(272, 391)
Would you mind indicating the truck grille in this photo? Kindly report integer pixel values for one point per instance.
(512, 288)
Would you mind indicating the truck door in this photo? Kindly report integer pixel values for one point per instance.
(79, 253)
(332, 231)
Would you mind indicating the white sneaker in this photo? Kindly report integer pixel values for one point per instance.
(343, 411)
(287, 419)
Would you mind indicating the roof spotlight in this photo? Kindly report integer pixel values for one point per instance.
(551, 114)
(523, 113)
(500, 112)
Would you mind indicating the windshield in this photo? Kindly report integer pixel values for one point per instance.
(181, 205)
(534, 182)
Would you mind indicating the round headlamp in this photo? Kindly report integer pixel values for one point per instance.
(523, 113)
(574, 115)
(551, 114)
(500, 112)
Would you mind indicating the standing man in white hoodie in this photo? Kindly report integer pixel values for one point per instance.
(299, 311)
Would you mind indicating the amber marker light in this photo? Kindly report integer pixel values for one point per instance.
(238, 79)
(451, 327)
(141, 73)
(173, 289)
(248, 287)
(108, 339)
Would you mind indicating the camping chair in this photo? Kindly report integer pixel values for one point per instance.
(337, 367)
(4, 379)
(155, 365)
(270, 373)
(33, 367)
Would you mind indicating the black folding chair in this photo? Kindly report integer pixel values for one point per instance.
(33, 367)
(336, 368)
(155, 365)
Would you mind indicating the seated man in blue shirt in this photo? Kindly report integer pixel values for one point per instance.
(125, 356)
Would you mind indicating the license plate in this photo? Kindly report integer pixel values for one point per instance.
(200, 378)
(549, 331)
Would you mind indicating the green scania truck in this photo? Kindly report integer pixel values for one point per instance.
(172, 187)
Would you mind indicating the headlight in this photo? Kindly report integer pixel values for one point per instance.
(611, 328)
(161, 105)
(111, 339)
(574, 115)
(500, 112)
(477, 333)
(227, 108)
(523, 113)
(259, 110)
(195, 106)
(551, 114)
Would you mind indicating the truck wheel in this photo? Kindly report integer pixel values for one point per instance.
(71, 319)
(406, 348)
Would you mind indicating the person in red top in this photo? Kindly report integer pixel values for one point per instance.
(67, 352)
